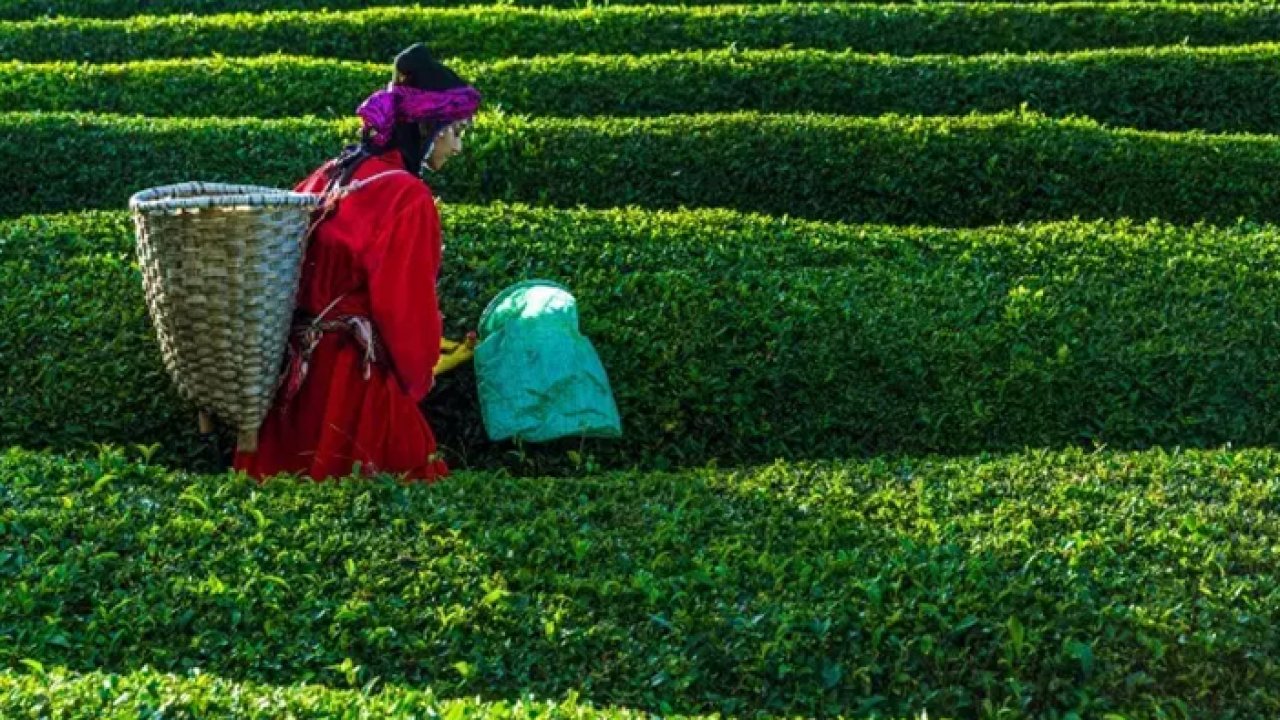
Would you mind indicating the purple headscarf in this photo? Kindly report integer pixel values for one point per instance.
(402, 103)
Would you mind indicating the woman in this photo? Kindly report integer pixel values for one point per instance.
(367, 337)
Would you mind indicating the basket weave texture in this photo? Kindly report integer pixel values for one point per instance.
(220, 269)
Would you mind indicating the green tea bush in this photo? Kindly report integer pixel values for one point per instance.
(54, 692)
(497, 32)
(1040, 584)
(28, 9)
(966, 171)
(25, 9)
(1214, 89)
(736, 338)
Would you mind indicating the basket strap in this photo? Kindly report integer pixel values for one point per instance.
(334, 194)
(330, 306)
(345, 191)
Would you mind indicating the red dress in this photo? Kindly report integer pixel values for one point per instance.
(380, 251)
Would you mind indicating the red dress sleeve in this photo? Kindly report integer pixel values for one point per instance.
(402, 266)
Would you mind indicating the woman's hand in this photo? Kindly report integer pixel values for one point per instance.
(454, 353)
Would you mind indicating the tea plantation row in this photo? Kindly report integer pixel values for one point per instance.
(1037, 584)
(741, 339)
(1213, 89)
(945, 171)
(27, 9)
(53, 692)
(905, 29)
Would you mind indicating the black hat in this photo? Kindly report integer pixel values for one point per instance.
(416, 68)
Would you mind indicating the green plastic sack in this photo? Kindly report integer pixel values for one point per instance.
(539, 378)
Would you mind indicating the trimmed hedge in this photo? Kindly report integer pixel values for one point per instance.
(1215, 89)
(966, 171)
(145, 693)
(27, 9)
(1043, 584)
(736, 339)
(901, 29)
(123, 9)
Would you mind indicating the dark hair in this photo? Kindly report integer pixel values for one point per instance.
(416, 67)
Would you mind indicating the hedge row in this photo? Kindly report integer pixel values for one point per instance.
(976, 587)
(740, 339)
(123, 9)
(94, 695)
(1217, 89)
(945, 171)
(903, 29)
(29, 9)
(951, 172)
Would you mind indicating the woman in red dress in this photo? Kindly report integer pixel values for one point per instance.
(367, 337)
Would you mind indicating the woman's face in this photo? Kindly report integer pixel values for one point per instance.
(448, 144)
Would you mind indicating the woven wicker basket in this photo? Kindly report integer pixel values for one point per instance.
(220, 267)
